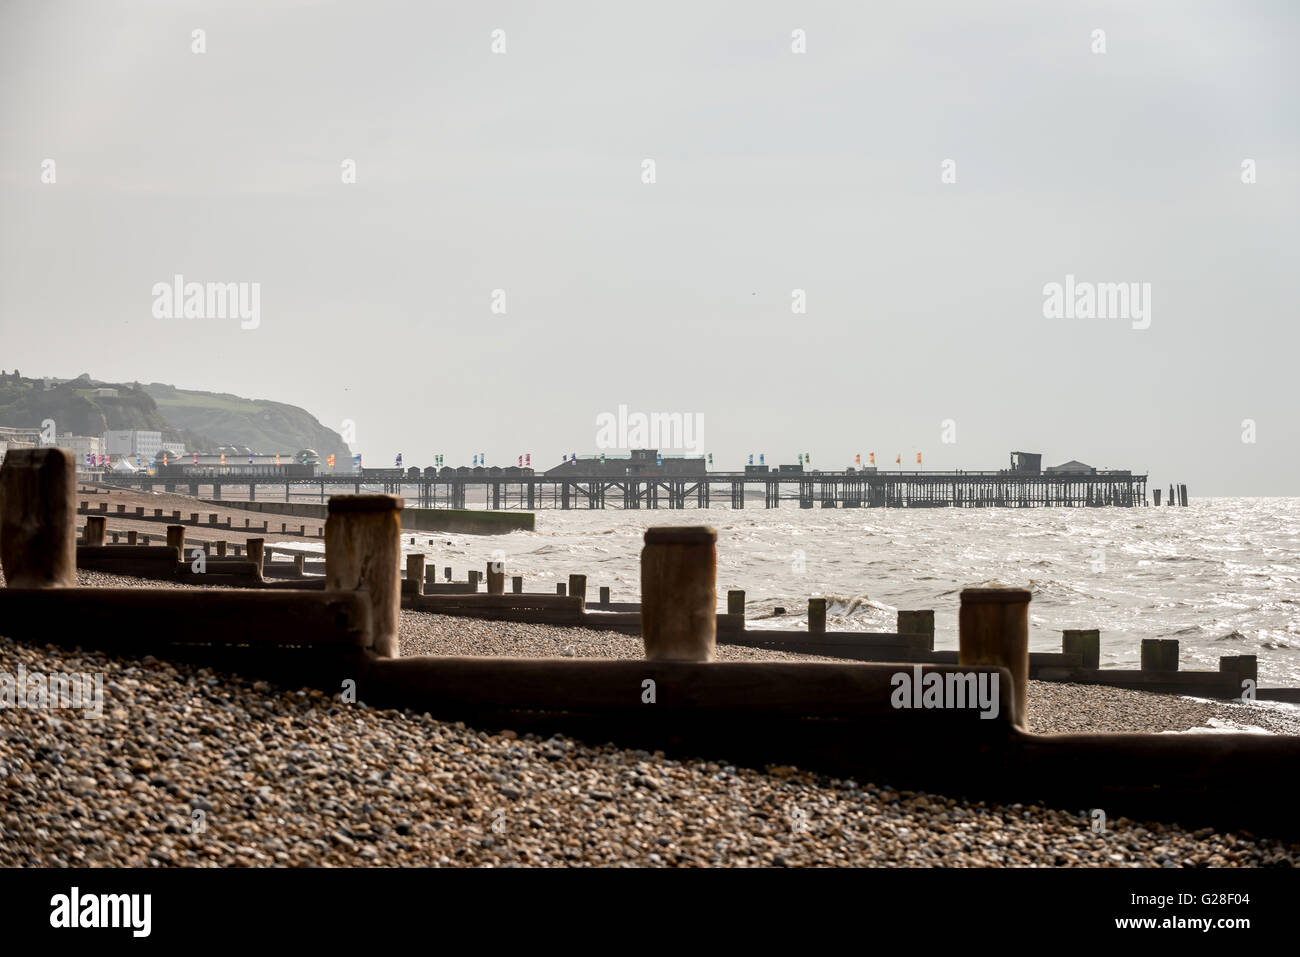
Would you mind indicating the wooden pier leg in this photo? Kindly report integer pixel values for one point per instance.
(363, 552)
(95, 527)
(517, 584)
(1159, 654)
(816, 616)
(256, 551)
(1085, 642)
(38, 518)
(993, 629)
(918, 622)
(679, 617)
(415, 572)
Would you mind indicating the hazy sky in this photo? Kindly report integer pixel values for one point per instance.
(523, 171)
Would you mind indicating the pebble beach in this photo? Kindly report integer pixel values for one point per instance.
(189, 767)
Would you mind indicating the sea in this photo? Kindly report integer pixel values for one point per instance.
(1221, 575)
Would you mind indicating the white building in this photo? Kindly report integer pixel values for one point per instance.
(81, 446)
(133, 442)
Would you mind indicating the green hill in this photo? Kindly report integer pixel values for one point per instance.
(260, 424)
(202, 420)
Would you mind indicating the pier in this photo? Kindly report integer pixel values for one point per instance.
(583, 487)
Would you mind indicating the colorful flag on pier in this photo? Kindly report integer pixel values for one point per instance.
(223, 458)
(330, 460)
(476, 460)
(196, 458)
(356, 460)
(751, 458)
(250, 458)
(918, 458)
(659, 457)
(521, 461)
(873, 457)
(859, 458)
(399, 460)
(710, 458)
(528, 459)
(898, 460)
(760, 458)
(277, 458)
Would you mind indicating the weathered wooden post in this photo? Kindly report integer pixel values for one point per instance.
(917, 622)
(993, 629)
(212, 518)
(679, 602)
(256, 552)
(302, 530)
(604, 594)
(38, 518)
(157, 513)
(194, 518)
(130, 537)
(176, 515)
(735, 602)
(139, 511)
(561, 588)
(415, 571)
(103, 507)
(1156, 493)
(817, 616)
(176, 539)
(578, 587)
(517, 584)
(1159, 654)
(1085, 642)
(1245, 667)
(221, 549)
(95, 527)
(146, 539)
(113, 536)
(446, 573)
(300, 564)
(121, 510)
(472, 577)
(496, 578)
(363, 551)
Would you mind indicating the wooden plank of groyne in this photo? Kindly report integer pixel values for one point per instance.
(1212, 683)
(218, 616)
(471, 600)
(807, 689)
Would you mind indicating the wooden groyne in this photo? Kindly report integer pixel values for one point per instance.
(452, 520)
(869, 721)
(912, 641)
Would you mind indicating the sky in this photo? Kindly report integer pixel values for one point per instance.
(501, 274)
